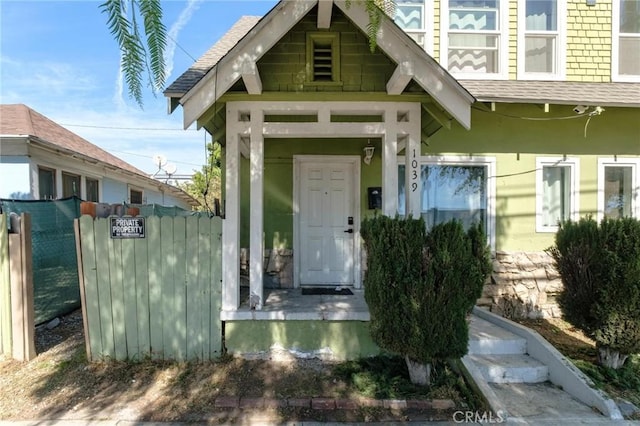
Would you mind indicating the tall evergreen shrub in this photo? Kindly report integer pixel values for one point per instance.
(420, 286)
(600, 269)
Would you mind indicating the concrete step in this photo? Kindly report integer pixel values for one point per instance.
(511, 368)
(486, 338)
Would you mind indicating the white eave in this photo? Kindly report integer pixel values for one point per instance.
(240, 62)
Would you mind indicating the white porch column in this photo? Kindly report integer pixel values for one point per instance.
(389, 165)
(231, 224)
(413, 181)
(257, 211)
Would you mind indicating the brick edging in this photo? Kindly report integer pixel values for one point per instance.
(333, 403)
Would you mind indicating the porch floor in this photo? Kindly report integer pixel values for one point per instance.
(290, 305)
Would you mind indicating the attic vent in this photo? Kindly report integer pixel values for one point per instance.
(323, 57)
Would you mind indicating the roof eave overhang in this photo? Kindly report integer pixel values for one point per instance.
(551, 101)
(436, 81)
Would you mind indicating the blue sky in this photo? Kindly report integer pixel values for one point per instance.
(59, 58)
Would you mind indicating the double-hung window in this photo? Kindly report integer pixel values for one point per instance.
(473, 43)
(415, 18)
(557, 192)
(541, 39)
(454, 188)
(625, 55)
(618, 188)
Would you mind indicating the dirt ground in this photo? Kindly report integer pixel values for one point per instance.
(60, 384)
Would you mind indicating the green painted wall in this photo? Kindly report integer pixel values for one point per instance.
(342, 340)
(515, 142)
(283, 68)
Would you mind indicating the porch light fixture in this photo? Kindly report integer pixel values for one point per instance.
(368, 153)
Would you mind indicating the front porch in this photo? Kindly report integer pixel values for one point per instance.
(292, 305)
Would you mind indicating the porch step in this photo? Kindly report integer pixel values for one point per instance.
(486, 338)
(511, 368)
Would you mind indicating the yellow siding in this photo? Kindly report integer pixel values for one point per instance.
(436, 31)
(589, 41)
(513, 40)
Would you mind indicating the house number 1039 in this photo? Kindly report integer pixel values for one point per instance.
(414, 171)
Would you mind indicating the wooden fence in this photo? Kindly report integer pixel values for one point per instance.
(157, 296)
(17, 329)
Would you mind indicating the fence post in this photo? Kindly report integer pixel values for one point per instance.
(22, 310)
(5, 288)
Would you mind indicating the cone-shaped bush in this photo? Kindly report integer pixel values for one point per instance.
(420, 286)
(600, 269)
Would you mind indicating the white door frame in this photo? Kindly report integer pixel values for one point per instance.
(354, 160)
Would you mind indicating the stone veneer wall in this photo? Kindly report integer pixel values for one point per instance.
(522, 285)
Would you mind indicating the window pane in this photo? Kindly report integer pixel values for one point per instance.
(454, 192)
(46, 184)
(473, 40)
(542, 15)
(630, 16)
(540, 54)
(473, 20)
(556, 195)
(467, 60)
(70, 185)
(629, 62)
(135, 197)
(617, 191)
(401, 193)
(92, 190)
(409, 16)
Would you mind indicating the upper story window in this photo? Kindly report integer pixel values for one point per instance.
(625, 64)
(135, 196)
(415, 17)
(541, 39)
(618, 188)
(474, 38)
(556, 192)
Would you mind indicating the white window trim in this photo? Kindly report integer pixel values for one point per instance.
(561, 45)
(615, 48)
(428, 21)
(574, 203)
(463, 160)
(503, 45)
(635, 178)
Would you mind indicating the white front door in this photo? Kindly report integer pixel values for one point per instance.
(328, 226)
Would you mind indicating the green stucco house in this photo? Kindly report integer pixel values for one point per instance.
(517, 114)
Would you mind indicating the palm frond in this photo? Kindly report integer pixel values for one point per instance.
(155, 30)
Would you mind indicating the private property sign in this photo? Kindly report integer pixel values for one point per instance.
(127, 227)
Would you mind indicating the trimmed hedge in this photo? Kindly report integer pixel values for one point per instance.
(420, 286)
(600, 269)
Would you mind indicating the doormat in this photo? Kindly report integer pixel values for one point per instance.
(326, 291)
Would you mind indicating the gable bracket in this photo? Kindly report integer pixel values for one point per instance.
(324, 13)
(251, 77)
(438, 115)
(400, 78)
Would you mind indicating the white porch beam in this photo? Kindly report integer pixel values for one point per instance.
(251, 77)
(231, 226)
(256, 223)
(259, 41)
(400, 78)
(324, 13)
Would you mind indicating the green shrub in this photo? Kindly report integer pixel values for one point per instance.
(600, 269)
(420, 286)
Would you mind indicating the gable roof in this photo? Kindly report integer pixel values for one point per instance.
(197, 89)
(20, 120)
(556, 92)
